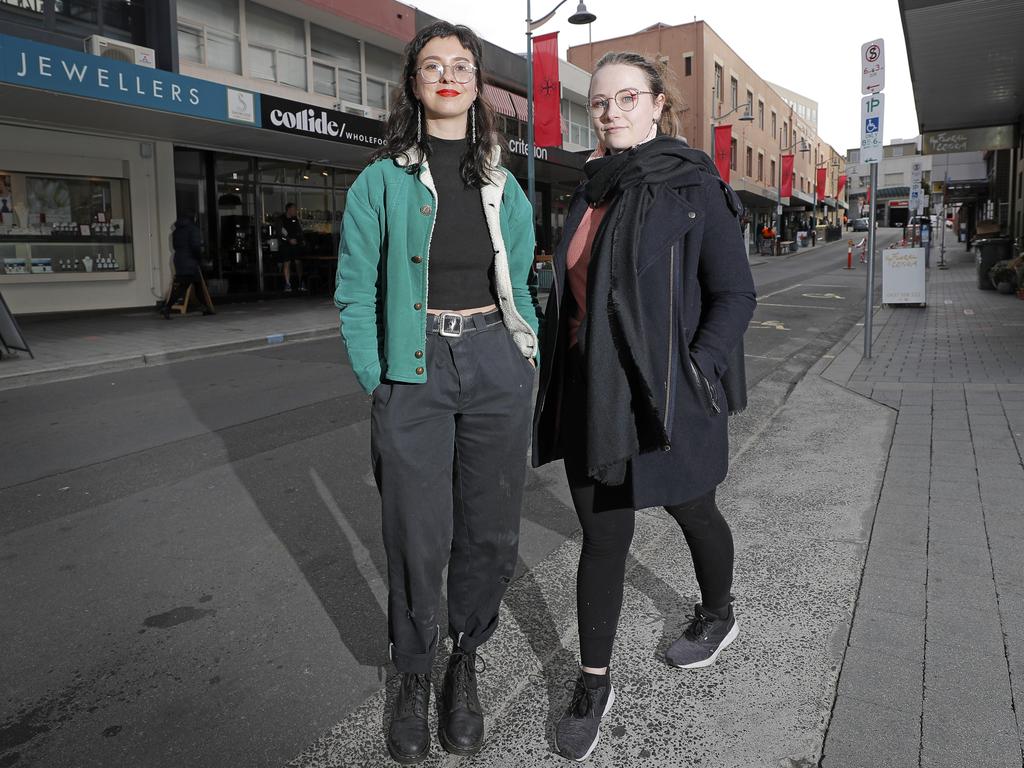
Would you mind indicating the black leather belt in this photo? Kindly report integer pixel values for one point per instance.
(454, 324)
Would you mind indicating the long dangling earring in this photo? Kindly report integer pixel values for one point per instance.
(419, 126)
(472, 121)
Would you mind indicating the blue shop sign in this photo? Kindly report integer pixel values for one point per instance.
(51, 68)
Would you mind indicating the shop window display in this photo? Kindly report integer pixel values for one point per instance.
(58, 225)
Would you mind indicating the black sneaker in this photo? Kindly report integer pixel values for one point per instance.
(578, 730)
(409, 734)
(703, 639)
(461, 717)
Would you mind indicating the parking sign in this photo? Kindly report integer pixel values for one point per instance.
(872, 109)
(872, 66)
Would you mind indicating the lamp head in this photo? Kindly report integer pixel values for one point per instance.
(582, 15)
(746, 117)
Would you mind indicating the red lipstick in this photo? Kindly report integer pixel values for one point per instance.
(447, 93)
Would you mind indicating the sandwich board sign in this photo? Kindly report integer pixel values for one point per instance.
(10, 333)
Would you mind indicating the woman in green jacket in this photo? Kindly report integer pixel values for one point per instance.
(450, 371)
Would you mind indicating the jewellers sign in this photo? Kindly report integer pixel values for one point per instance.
(48, 67)
(304, 120)
(967, 140)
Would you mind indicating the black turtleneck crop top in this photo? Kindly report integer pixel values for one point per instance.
(461, 260)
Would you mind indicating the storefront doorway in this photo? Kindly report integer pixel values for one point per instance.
(239, 204)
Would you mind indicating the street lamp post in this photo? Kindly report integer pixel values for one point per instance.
(746, 117)
(822, 164)
(804, 147)
(582, 16)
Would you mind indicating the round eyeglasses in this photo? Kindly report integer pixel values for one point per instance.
(463, 72)
(626, 100)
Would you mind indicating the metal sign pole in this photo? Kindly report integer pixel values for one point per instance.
(869, 299)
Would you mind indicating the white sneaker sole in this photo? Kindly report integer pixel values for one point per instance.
(597, 736)
(726, 642)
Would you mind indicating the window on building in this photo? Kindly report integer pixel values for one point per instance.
(785, 131)
(734, 92)
(893, 180)
(208, 34)
(336, 65)
(760, 167)
(78, 10)
(577, 127)
(771, 175)
(688, 65)
(749, 171)
(124, 15)
(760, 115)
(383, 72)
(277, 45)
(718, 83)
(750, 101)
(732, 155)
(775, 123)
(865, 180)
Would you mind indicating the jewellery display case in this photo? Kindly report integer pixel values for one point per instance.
(60, 225)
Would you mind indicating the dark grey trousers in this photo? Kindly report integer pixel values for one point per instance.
(449, 457)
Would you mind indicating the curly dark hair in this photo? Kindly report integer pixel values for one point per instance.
(400, 132)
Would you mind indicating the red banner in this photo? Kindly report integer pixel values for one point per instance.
(723, 150)
(547, 93)
(786, 181)
(842, 183)
(822, 173)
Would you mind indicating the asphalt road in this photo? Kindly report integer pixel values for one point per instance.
(190, 556)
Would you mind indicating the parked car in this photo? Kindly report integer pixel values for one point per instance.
(861, 225)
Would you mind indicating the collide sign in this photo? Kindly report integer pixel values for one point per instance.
(301, 119)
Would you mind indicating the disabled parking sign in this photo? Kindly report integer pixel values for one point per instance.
(872, 109)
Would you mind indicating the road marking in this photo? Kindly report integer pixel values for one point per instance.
(773, 324)
(360, 554)
(781, 290)
(764, 357)
(833, 307)
(821, 296)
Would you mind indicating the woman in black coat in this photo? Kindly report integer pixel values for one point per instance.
(652, 293)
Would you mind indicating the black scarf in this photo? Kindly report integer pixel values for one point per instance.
(624, 415)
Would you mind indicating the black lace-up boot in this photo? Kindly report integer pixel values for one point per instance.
(409, 734)
(461, 717)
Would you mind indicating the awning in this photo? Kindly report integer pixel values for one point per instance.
(499, 99)
(520, 104)
(971, 50)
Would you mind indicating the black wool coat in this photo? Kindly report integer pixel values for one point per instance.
(698, 300)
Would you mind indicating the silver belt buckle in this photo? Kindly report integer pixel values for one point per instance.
(450, 324)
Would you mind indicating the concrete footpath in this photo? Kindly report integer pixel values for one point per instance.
(85, 344)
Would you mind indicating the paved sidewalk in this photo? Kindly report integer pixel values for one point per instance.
(84, 344)
(933, 673)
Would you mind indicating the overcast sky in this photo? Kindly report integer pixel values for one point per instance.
(808, 46)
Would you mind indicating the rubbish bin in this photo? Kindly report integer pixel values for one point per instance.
(987, 251)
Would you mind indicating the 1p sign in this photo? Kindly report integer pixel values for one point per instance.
(872, 66)
(872, 108)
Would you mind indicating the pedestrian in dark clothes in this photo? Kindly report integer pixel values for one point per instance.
(450, 372)
(291, 250)
(188, 250)
(652, 291)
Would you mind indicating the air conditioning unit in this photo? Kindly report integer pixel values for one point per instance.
(120, 51)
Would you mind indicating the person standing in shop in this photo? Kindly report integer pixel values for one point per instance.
(450, 371)
(652, 293)
(291, 250)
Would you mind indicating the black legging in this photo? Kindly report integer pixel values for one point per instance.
(607, 516)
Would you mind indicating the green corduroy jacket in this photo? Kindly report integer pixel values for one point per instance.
(383, 266)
